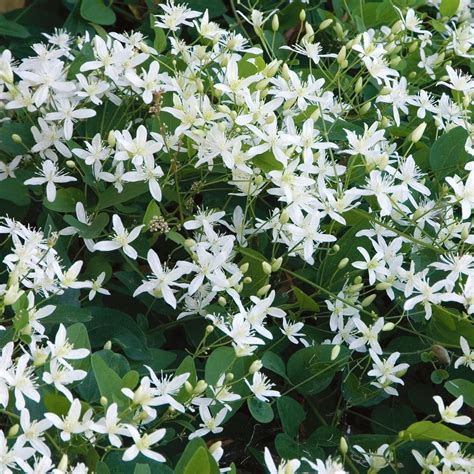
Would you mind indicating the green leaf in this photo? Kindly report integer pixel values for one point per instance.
(312, 370)
(111, 325)
(65, 201)
(291, 415)
(13, 190)
(462, 387)
(305, 302)
(97, 12)
(448, 154)
(275, 363)
(193, 461)
(429, 431)
(130, 379)
(153, 210)
(111, 197)
(218, 363)
(89, 231)
(68, 314)
(159, 42)
(142, 469)
(449, 8)
(446, 326)
(261, 411)
(78, 337)
(108, 381)
(12, 28)
(267, 162)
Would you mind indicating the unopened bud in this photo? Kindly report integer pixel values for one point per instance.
(222, 301)
(62, 466)
(259, 179)
(412, 75)
(309, 30)
(358, 279)
(209, 328)
(365, 108)
(388, 327)
(302, 16)
(275, 23)
(341, 56)
(368, 300)
(276, 265)
(244, 268)
(255, 367)
(263, 290)
(338, 29)
(188, 387)
(111, 139)
(413, 47)
(441, 354)
(247, 280)
(395, 61)
(385, 285)
(324, 24)
(103, 401)
(464, 232)
(215, 447)
(343, 263)
(71, 164)
(343, 448)
(200, 387)
(13, 431)
(416, 135)
(16, 138)
(336, 248)
(108, 346)
(344, 64)
(267, 268)
(284, 217)
(397, 27)
(335, 352)
(189, 243)
(229, 377)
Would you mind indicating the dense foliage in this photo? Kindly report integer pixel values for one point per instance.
(237, 239)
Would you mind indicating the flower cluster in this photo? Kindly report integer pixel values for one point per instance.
(260, 221)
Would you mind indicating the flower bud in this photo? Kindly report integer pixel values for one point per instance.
(112, 139)
(343, 448)
(341, 56)
(244, 268)
(275, 23)
(221, 301)
(338, 29)
(209, 328)
(103, 401)
(285, 70)
(16, 138)
(189, 243)
(247, 280)
(71, 164)
(416, 135)
(395, 61)
(259, 179)
(388, 327)
(188, 387)
(12, 294)
(441, 354)
(465, 232)
(413, 47)
(276, 265)
(343, 263)
(267, 268)
(368, 300)
(336, 248)
(263, 290)
(284, 217)
(398, 26)
(324, 24)
(309, 30)
(215, 447)
(385, 285)
(200, 387)
(13, 431)
(344, 64)
(229, 377)
(255, 367)
(108, 346)
(62, 466)
(358, 279)
(335, 351)
(302, 16)
(365, 108)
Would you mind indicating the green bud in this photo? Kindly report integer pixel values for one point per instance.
(267, 268)
(16, 138)
(275, 23)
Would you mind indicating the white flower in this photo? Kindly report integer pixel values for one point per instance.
(7, 170)
(467, 358)
(285, 467)
(71, 424)
(142, 444)
(121, 240)
(63, 350)
(211, 424)
(261, 387)
(449, 414)
(110, 425)
(96, 287)
(369, 336)
(33, 432)
(50, 175)
(175, 15)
